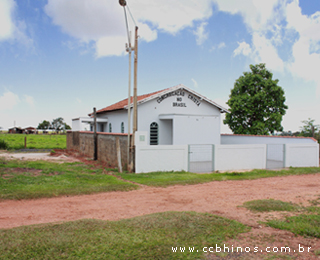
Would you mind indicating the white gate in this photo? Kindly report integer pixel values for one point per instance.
(275, 156)
(201, 158)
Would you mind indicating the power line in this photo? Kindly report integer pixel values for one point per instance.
(131, 16)
(125, 15)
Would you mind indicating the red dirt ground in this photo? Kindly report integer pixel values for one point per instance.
(220, 198)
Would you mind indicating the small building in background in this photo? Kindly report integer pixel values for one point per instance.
(15, 130)
(29, 130)
(22, 130)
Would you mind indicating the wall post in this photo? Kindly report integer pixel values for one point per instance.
(95, 138)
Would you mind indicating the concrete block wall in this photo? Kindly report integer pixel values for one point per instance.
(82, 142)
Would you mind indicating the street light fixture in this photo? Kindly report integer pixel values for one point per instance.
(123, 3)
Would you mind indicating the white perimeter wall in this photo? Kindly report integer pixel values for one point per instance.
(153, 158)
(242, 139)
(302, 155)
(239, 157)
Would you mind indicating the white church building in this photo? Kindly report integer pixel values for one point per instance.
(173, 116)
(181, 131)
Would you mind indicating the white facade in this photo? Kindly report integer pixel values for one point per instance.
(302, 155)
(239, 157)
(85, 124)
(256, 139)
(180, 115)
(150, 158)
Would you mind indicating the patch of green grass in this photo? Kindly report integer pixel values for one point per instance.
(305, 225)
(270, 205)
(315, 202)
(38, 179)
(146, 237)
(313, 210)
(164, 179)
(16, 141)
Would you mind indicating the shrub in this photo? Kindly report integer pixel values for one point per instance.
(3, 145)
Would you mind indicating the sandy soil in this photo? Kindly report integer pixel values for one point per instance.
(37, 156)
(220, 198)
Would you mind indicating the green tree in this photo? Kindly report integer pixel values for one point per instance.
(67, 127)
(44, 125)
(57, 123)
(309, 128)
(256, 103)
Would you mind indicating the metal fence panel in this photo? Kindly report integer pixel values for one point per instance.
(275, 156)
(200, 158)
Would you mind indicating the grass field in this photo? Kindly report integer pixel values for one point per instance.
(16, 141)
(164, 179)
(306, 223)
(38, 179)
(154, 236)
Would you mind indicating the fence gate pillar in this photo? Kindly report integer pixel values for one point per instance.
(213, 158)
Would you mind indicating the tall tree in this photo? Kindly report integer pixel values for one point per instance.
(256, 103)
(67, 127)
(57, 123)
(44, 125)
(309, 128)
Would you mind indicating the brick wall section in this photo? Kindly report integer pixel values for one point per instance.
(82, 142)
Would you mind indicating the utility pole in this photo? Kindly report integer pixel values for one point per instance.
(135, 94)
(131, 142)
(129, 110)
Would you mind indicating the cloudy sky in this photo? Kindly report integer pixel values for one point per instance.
(64, 57)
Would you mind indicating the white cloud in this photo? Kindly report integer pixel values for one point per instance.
(270, 24)
(171, 16)
(305, 51)
(221, 45)
(201, 34)
(195, 83)
(256, 14)
(8, 100)
(87, 20)
(265, 51)
(102, 21)
(29, 100)
(12, 28)
(109, 46)
(261, 19)
(243, 48)
(6, 19)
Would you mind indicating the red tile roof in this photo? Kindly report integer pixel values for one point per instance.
(123, 103)
(146, 97)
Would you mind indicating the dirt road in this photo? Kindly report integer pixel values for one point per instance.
(221, 198)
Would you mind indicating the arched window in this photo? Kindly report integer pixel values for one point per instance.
(110, 128)
(154, 133)
(122, 127)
